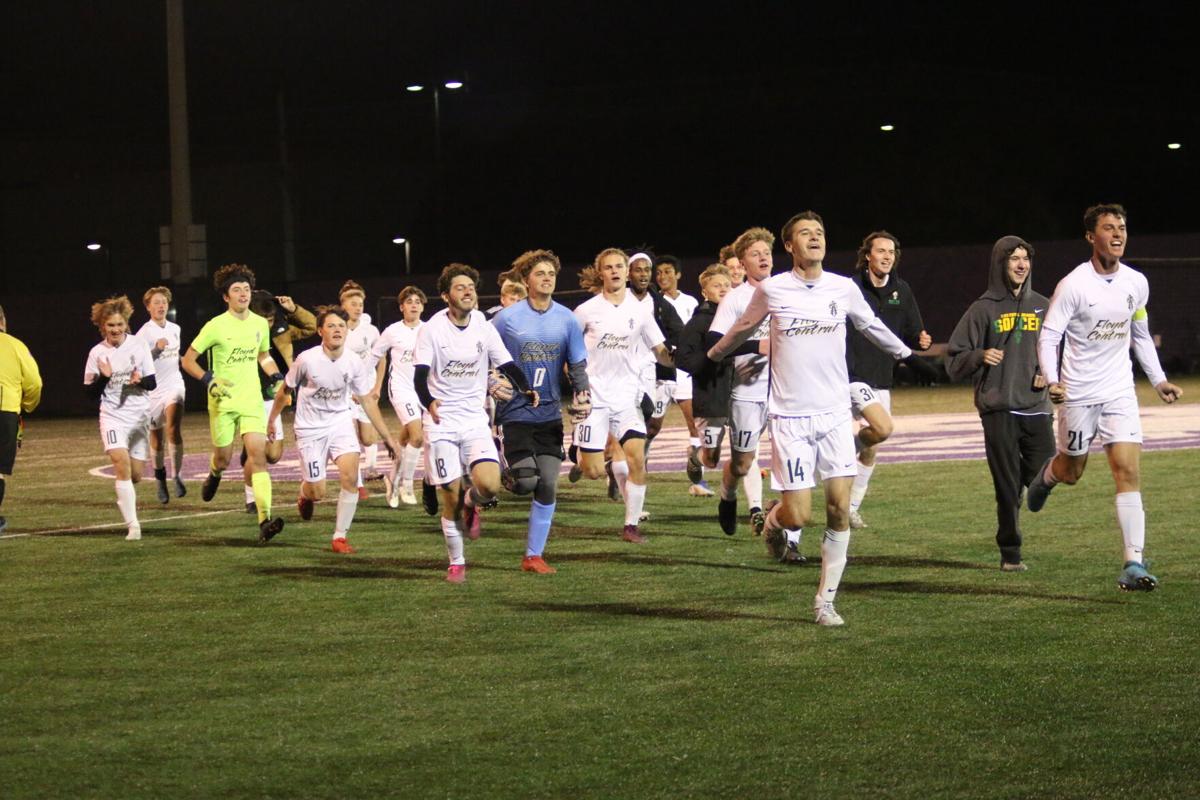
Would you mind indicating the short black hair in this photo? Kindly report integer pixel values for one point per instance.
(1093, 214)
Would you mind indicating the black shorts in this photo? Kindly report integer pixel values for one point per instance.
(9, 422)
(529, 440)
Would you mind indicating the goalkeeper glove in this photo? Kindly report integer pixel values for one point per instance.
(218, 388)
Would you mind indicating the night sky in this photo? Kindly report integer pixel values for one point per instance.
(583, 125)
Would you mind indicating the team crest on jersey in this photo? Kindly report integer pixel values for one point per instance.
(833, 309)
(478, 347)
(631, 323)
(1129, 301)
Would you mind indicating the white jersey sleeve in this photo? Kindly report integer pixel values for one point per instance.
(166, 363)
(750, 381)
(122, 401)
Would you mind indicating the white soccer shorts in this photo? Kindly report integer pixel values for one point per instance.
(134, 437)
(317, 447)
(747, 420)
(592, 434)
(803, 446)
(448, 452)
(162, 398)
(712, 431)
(278, 426)
(407, 407)
(1113, 421)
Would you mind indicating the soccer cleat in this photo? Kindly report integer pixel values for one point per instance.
(826, 614)
(391, 490)
(575, 473)
(1035, 496)
(792, 555)
(630, 534)
(758, 520)
(1013, 566)
(1135, 578)
(537, 564)
(340, 545)
(135, 533)
(268, 528)
(856, 521)
(363, 494)
(406, 495)
(695, 470)
(457, 573)
(209, 490)
(470, 522)
(429, 498)
(305, 506)
(164, 496)
(614, 489)
(252, 507)
(180, 489)
(700, 490)
(727, 515)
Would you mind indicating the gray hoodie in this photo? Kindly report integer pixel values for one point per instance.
(998, 319)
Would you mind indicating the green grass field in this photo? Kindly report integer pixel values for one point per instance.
(196, 663)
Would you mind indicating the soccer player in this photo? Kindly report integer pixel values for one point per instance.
(359, 341)
(891, 299)
(667, 318)
(399, 343)
(328, 380)
(995, 345)
(1097, 313)
(748, 409)
(543, 337)
(617, 329)
(712, 381)
(454, 349)
(20, 393)
(166, 401)
(811, 427)
(667, 272)
(728, 256)
(237, 344)
(300, 324)
(120, 375)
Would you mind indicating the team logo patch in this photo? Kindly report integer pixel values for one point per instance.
(1129, 301)
(631, 323)
(833, 309)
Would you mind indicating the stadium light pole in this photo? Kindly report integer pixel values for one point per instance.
(453, 85)
(99, 245)
(407, 252)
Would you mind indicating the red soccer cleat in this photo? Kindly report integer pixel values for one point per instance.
(537, 564)
(457, 573)
(630, 534)
(363, 494)
(340, 545)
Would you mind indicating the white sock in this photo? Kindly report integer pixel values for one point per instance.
(454, 542)
(408, 463)
(176, 454)
(635, 498)
(127, 502)
(347, 504)
(372, 453)
(1132, 518)
(249, 493)
(694, 441)
(360, 483)
(620, 471)
(793, 535)
(859, 490)
(752, 483)
(833, 562)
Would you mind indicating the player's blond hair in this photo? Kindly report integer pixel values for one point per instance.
(510, 288)
(153, 290)
(749, 237)
(104, 309)
(351, 289)
(713, 271)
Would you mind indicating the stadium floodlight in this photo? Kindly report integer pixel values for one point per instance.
(94, 246)
(1174, 146)
(414, 87)
(887, 128)
(407, 251)
(453, 84)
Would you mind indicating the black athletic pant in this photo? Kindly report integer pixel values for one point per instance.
(1017, 446)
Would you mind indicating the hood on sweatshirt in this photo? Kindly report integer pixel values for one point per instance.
(999, 286)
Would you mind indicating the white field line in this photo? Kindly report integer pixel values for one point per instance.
(145, 524)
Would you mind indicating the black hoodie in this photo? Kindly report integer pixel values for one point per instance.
(1000, 320)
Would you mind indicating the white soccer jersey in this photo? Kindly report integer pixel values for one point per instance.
(166, 365)
(458, 361)
(684, 305)
(808, 340)
(324, 387)
(120, 401)
(749, 371)
(1094, 315)
(399, 342)
(361, 339)
(616, 337)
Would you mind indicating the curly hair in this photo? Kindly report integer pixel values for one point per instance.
(452, 271)
(104, 309)
(524, 263)
(230, 274)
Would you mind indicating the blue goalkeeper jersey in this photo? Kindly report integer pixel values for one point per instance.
(541, 343)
